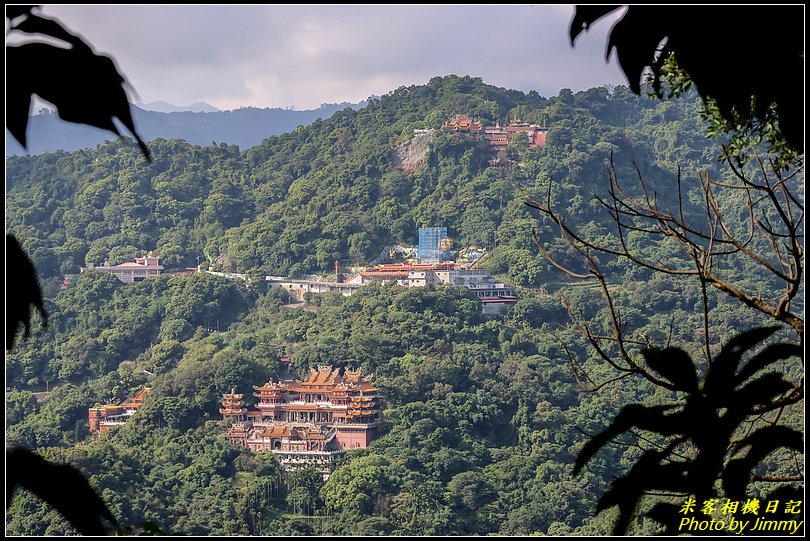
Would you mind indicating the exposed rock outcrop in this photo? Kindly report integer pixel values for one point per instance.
(412, 155)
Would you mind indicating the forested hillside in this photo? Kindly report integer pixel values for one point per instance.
(296, 203)
(484, 416)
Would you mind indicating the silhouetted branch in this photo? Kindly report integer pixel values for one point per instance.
(699, 444)
(629, 214)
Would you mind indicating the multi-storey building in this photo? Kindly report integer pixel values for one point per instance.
(495, 297)
(142, 268)
(310, 422)
(296, 288)
(497, 136)
(434, 245)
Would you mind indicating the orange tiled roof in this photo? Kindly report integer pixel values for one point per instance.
(324, 375)
(137, 401)
(301, 407)
(233, 411)
(274, 432)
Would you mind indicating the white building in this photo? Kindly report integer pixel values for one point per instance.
(142, 268)
(298, 288)
(495, 297)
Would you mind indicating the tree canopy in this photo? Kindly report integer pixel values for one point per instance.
(480, 412)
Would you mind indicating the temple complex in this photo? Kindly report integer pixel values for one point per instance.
(463, 123)
(103, 417)
(306, 423)
(497, 136)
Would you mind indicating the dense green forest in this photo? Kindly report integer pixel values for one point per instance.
(484, 415)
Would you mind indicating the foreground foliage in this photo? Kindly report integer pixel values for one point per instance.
(706, 437)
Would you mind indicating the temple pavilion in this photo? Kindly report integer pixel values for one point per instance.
(310, 422)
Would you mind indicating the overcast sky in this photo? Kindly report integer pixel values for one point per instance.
(302, 56)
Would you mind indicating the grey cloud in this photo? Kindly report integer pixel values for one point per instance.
(306, 55)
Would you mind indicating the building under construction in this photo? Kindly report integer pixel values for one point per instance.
(434, 245)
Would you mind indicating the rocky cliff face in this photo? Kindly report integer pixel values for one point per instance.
(411, 156)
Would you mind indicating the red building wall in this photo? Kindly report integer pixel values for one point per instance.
(539, 138)
(353, 438)
(94, 417)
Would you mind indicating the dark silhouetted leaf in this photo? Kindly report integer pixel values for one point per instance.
(61, 486)
(762, 443)
(720, 378)
(634, 415)
(585, 16)
(22, 290)
(674, 365)
(86, 88)
(769, 355)
(667, 515)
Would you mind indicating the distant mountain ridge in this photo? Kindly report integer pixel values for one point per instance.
(245, 127)
(166, 107)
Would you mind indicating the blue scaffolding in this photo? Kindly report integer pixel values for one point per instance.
(430, 245)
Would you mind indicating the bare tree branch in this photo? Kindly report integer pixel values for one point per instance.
(629, 214)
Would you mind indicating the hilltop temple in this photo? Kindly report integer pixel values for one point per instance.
(462, 123)
(306, 423)
(497, 136)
